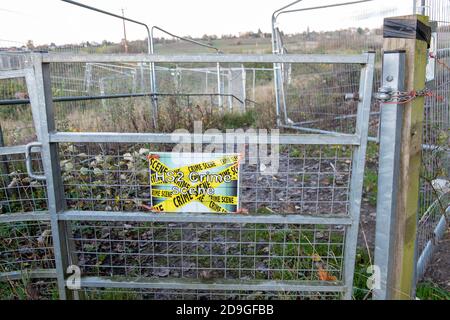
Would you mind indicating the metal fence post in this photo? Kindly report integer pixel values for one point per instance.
(88, 78)
(219, 86)
(50, 159)
(244, 84)
(230, 90)
(389, 163)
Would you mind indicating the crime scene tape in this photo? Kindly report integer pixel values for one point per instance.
(157, 166)
(182, 178)
(159, 193)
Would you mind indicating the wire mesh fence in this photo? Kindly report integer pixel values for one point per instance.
(26, 244)
(115, 177)
(358, 29)
(17, 125)
(435, 155)
(312, 181)
(149, 294)
(13, 60)
(316, 98)
(363, 31)
(210, 251)
(20, 193)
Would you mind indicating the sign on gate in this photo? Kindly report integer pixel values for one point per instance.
(194, 182)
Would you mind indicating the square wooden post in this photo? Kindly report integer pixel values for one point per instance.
(397, 212)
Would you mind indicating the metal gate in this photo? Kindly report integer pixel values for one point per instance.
(296, 239)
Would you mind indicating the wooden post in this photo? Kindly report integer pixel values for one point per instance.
(402, 263)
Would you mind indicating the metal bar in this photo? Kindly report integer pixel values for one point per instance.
(116, 96)
(12, 150)
(390, 140)
(55, 189)
(422, 7)
(278, 83)
(205, 45)
(424, 259)
(114, 216)
(4, 166)
(33, 94)
(31, 274)
(438, 235)
(112, 15)
(14, 102)
(24, 216)
(441, 227)
(295, 127)
(358, 166)
(343, 117)
(185, 284)
(208, 58)
(323, 7)
(153, 101)
(110, 137)
(11, 74)
(219, 85)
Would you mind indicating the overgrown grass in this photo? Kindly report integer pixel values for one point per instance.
(28, 289)
(239, 120)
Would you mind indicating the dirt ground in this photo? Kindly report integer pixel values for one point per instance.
(438, 272)
(366, 236)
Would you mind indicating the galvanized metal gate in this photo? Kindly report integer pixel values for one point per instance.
(298, 239)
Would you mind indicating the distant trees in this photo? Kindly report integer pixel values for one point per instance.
(30, 45)
(107, 43)
(228, 36)
(206, 37)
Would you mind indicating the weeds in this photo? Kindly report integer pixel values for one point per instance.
(431, 291)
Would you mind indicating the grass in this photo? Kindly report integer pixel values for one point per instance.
(360, 290)
(239, 120)
(27, 289)
(11, 291)
(431, 291)
(371, 174)
(371, 186)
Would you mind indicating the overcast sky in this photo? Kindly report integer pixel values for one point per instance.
(46, 21)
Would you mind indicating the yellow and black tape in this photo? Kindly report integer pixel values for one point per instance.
(175, 202)
(158, 167)
(231, 200)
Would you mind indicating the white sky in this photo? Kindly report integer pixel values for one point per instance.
(46, 21)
